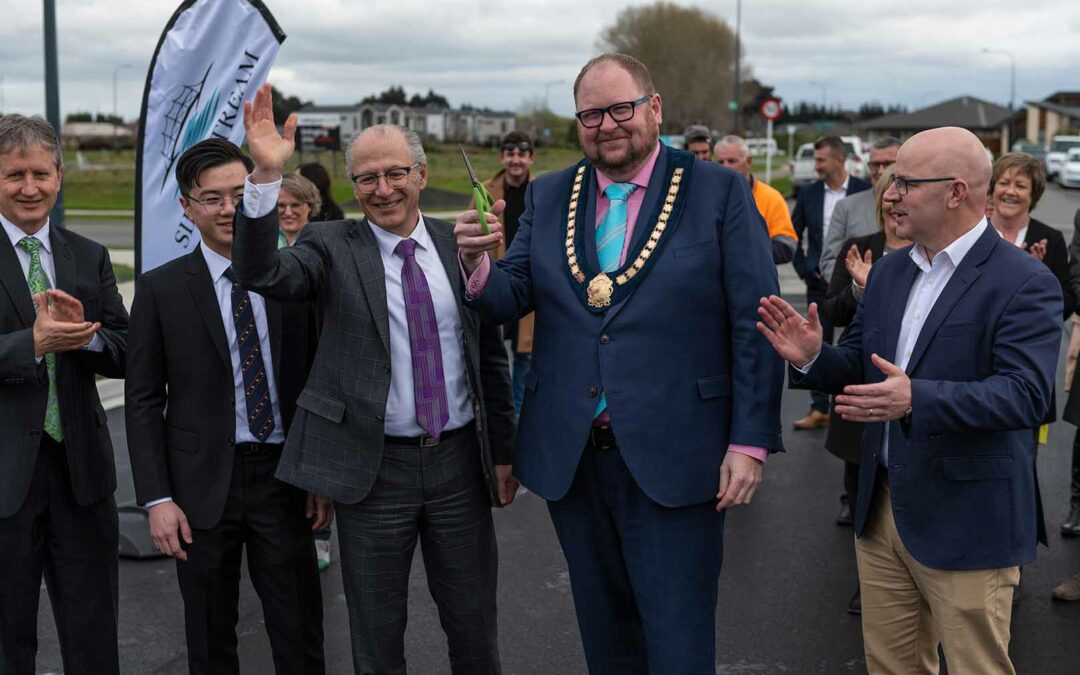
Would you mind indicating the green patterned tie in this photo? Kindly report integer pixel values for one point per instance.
(39, 283)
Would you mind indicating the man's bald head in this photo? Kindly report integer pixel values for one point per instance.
(948, 174)
(953, 151)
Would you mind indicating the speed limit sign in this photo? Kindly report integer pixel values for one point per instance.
(771, 109)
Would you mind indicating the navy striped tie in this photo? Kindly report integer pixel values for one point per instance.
(260, 414)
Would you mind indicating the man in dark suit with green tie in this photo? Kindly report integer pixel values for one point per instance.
(62, 324)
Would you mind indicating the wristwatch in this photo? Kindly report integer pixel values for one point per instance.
(906, 419)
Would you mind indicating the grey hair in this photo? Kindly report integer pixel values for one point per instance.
(20, 133)
(412, 139)
(304, 190)
(887, 142)
(731, 139)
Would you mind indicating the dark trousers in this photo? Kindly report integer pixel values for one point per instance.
(644, 576)
(75, 547)
(436, 494)
(267, 516)
(815, 292)
(851, 483)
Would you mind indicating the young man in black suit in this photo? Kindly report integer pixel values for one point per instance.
(206, 424)
(62, 323)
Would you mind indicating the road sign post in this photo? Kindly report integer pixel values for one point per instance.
(771, 109)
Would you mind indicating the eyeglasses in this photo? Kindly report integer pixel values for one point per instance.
(397, 178)
(523, 147)
(215, 204)
(902, 184)
(619, 112)
(879, 165)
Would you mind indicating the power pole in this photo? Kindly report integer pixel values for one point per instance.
(52, 96)
(735, 103)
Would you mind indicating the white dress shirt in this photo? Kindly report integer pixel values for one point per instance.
(16, 235)
(1020, 236)
(832, 198)
(400, 417)
(930, 281)
(223, 290)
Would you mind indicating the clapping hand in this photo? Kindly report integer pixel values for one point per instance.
(60, 327)
(795, 339)
(269, 149)
(1037, 250)
(858, 267)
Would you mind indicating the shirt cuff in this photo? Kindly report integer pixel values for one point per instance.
(475, 284)
(806, 369)
(156, 502)
(97, 344)
(260, 200)
(760, 454)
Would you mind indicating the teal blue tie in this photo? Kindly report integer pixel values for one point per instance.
(610, 237)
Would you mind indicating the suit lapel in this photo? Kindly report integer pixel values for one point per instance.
(12, 279)
(817, 212)
(202, 292)
(273, 326)
(369, 266)
(961, 281)
(63, 261)
(443, 238)
(642, 227)
(897, 296)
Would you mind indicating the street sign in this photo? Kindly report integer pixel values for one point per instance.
(314, 138)
(771, 109)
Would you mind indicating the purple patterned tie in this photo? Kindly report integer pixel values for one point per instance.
(429, 386)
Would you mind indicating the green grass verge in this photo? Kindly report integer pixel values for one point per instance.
(108, 179)
(123, 272)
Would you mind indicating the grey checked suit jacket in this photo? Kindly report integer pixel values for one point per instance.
(83, 270)
(854, 216)
(335, 444)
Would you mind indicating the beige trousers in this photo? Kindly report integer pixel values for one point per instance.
(908, 608)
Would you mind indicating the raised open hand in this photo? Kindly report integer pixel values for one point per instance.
(858, 266)
(795, 339)
(269, 149)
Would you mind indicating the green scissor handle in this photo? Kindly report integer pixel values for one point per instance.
(484, 202)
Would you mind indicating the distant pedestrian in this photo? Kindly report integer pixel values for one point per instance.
(317, 174)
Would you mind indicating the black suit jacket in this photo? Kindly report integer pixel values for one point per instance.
(809, 221)
(845, 438)
(179, 397)
(335, 447)
(83, 269)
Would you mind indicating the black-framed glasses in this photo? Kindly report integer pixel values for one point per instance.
(214, 204)
(524, 147)
(368, 183)
(902, 184)
(619, 112)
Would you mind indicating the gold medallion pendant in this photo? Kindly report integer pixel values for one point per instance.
(600, 290)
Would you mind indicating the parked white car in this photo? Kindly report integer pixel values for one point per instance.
(1059, 150)
(1069, 175)
(802, 165)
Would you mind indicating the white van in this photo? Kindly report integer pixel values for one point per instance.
(1059, 151)
(759, 147)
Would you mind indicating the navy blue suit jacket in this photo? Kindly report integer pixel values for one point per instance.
(982, 371)
(684, 369)
(809, 221)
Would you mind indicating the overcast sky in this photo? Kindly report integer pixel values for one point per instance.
(499, 53)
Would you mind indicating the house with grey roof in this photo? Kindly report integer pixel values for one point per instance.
(988, 121)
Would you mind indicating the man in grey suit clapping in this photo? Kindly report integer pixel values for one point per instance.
(406, 420)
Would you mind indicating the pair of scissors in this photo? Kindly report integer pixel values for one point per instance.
(481, 196)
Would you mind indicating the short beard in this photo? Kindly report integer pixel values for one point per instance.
(635, 157)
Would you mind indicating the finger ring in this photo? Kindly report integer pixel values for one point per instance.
(871, 412)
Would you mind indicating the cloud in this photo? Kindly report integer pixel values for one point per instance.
(499, 53)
